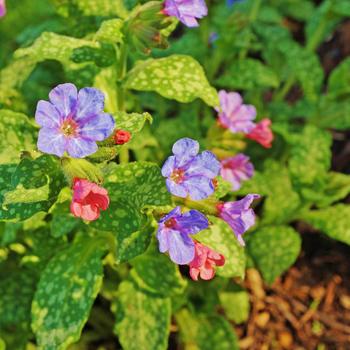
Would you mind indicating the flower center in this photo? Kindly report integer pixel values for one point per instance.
(170, 223)
(69, 127)
(177, 176)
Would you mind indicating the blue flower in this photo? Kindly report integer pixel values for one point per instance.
(174, 232)
(189, 173)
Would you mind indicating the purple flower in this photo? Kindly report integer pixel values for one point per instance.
(190, 173)
(236, 169)
(235, 115)
(173, 234)
(72, 121)
(2, 8)
(186, 10)
(238, 215)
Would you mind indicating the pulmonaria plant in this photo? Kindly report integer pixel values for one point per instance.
(236, 169)
(88, 200)
(190, 173)
(174, 231)
(187, 11)
(72, 121)
(238, 215)
(204, 262)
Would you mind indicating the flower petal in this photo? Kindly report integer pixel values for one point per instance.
(181, 248)
(191, 222)
(90, 103)
(199, 187)
(47, 115)
(168, 166)
(184, 150)
(176, 189)
(64, 98)
(80, 148)
(97, 128)
(51, 141)
(204, 164)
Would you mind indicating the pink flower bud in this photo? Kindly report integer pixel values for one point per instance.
(262, 133)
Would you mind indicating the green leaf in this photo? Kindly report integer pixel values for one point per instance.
(274, 249)
(51, 46)
(333, 221)
(310, 156)
(142, 320)
(66, 292)
(235, 304)
(158, 275)
(31, 187)
(177, 77)
(219, 237)
(110, 31)
(339, 80)
(17, 134)
(132, 122)
(248, 74)
(133, 188)
(274, 183)
(63, 222)
(202, 332)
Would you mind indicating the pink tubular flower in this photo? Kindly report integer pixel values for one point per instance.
(2, 8)
(262, 133)
(204, 262)
(236, 170)
(88, 199)
(235, 115)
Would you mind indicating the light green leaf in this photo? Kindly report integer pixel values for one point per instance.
(248, 74)
(202, 332)
(339, 80)
(158, 275)
(66, 292)
(333, 221)
(51, 46)
(310, 156)
(17, 134)
(235, 304)
(110, 31)
(142, 320)
(132, 122)
(274, 249)
(177, 77)
(219, 237)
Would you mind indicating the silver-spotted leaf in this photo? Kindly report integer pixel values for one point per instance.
(65, 294)
(177, 77)
(142, 319)
(274, 249)
(219, 237)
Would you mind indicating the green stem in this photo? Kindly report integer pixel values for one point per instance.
(124, 154)
(207, 206)
(121, 72)
(281, 94)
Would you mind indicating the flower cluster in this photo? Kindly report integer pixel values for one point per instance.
(191, 174)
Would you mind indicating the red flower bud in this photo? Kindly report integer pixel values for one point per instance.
(121, 137)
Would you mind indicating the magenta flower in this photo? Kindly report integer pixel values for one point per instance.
(235, 115)
(204, 262)
(72, 121)
(2, 8)
(173, 234)
(190, 173)
(262, 133)
(236, 170)
(238, 215)
(186, 10)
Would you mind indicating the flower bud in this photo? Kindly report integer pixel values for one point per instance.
(121, 137)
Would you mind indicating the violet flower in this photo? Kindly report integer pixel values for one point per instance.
(236, 170)
(186, 11)
(174, 232)
(235, 115)
(190, 173)
(2, 8)
(238, 215)
(72, 121)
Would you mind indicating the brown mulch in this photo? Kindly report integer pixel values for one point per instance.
(308, 308)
